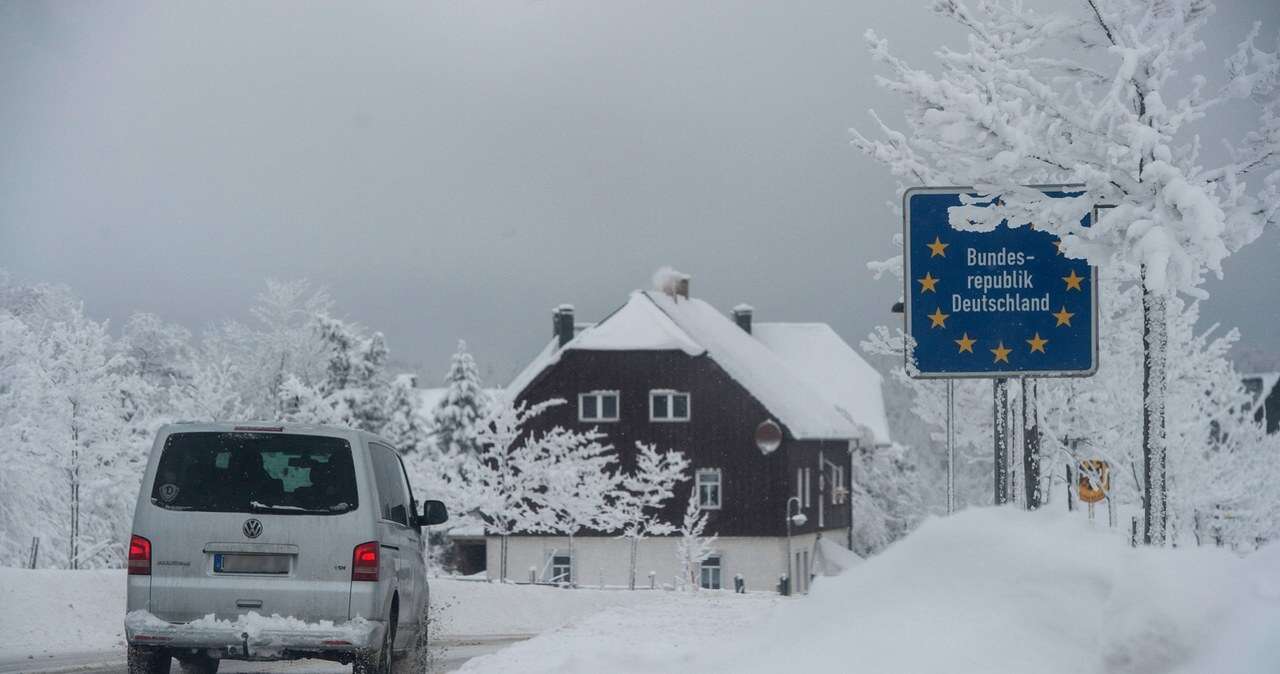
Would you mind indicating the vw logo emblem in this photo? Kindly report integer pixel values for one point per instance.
(252, 528)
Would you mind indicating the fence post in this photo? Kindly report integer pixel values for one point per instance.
(653, 585)
(1071, 496)
(1133, 531)
(35, 552)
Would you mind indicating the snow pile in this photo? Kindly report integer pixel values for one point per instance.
(659, 636)
(989, 590)
(999, 590)
(253, 624)
(477, 609)
(47, 611)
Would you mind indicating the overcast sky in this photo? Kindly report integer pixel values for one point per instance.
(456, 169)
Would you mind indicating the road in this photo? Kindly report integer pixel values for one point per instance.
(447, 656)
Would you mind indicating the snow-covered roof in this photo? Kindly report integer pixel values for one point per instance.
(547, 357)
(806, 395)
(798, 405)
(638, 326)
(824, 360)
(1268, 381)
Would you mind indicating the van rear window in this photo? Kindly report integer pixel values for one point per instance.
(255, 473)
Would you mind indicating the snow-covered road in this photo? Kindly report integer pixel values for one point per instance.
(73, 620)
(447, 655)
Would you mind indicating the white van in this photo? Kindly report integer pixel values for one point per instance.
(266, 542)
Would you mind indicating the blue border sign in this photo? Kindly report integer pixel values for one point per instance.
(1004, 303)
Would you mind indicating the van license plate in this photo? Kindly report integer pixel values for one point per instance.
(225, 563)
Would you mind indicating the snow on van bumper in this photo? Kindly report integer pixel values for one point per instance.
(265, 637)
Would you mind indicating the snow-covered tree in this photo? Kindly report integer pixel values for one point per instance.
(582, 484)
(694, 547)
(354, 382)
(408, 426)
(459, 414)
(352, 391)
(160, 351)
(281, 341)
(29, 507)
(1096, 94)
(645, 490)
(503, 486)
(212, 393)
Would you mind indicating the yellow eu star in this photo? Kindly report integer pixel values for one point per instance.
(939, 319)
(928, 283)
(1002, 353)
(1063, 316)
(937, 248)
(1073, 281)
(966, 344)
(1037, 343)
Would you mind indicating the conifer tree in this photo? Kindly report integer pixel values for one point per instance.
(457, 418)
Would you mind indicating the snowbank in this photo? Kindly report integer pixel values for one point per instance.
(655, 637)
(47, 611)
(999, 590)
(988, 590)
(470, 609)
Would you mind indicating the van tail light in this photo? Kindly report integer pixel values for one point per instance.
(139, 556)
(364, 562)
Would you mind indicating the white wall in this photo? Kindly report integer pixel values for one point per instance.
(600, 560)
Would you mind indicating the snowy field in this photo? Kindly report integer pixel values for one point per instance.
(985, 591)
(46, 612)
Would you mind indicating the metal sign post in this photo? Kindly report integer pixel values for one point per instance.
(1000, 391)
(1030, 444)
(951, 446)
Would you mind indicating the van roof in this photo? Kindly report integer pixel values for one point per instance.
(268, 426)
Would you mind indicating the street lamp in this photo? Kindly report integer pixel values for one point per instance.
(799, 519)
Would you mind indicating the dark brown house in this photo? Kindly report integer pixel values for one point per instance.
(668, 369)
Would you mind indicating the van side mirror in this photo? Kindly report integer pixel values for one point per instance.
(433, 512)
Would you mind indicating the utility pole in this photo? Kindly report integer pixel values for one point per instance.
(1000, 409)
(1030, 444)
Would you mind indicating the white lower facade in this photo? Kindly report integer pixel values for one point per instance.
(606, 561)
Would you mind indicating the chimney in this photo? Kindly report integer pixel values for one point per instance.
(672, 283)
(562, 323)
(742, 316)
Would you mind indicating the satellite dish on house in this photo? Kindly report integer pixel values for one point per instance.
(768, 436)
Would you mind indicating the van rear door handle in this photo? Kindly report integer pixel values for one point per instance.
(248, 603)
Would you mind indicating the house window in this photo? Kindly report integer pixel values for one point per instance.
(838, 491)
(709, 482)
(598, 406)
(561, 569)
(802, 487)
(668, 406)
(710, 573)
